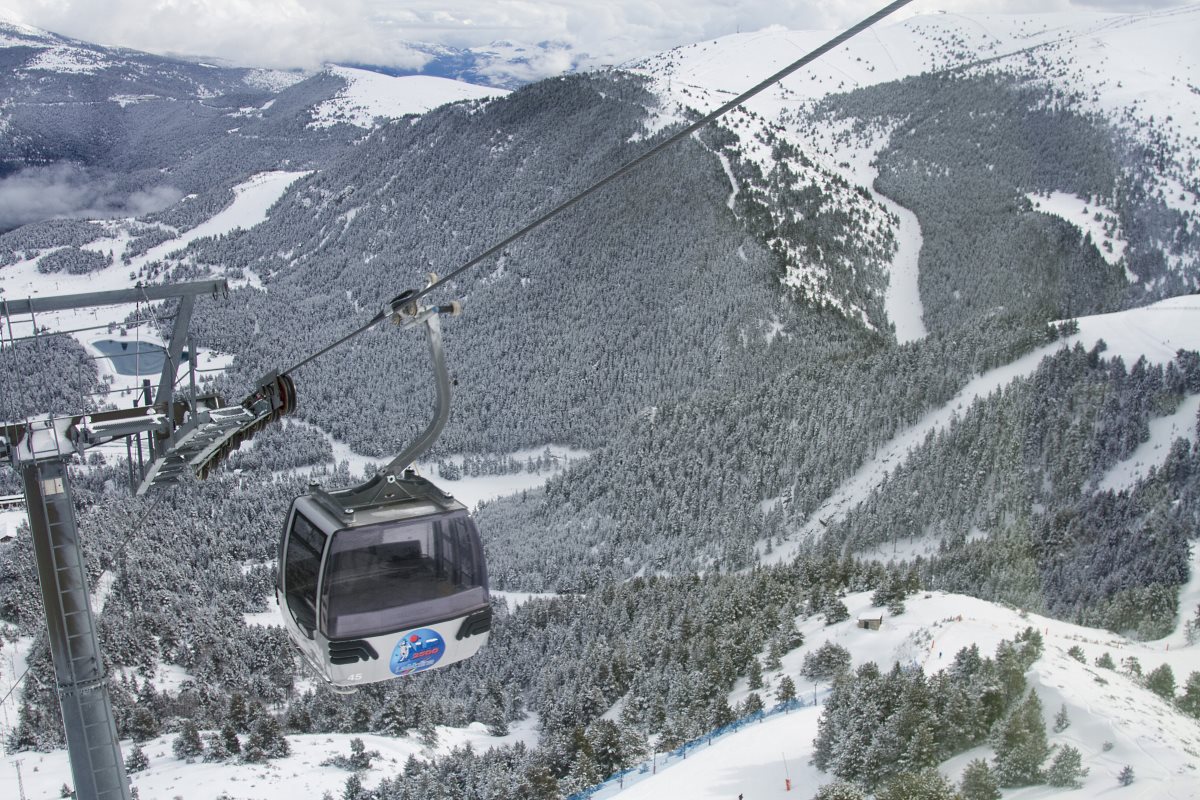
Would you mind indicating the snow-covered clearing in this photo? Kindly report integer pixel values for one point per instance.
(854, 159)
(903, 300)
(13, 657)
(300, 775)
(517, 599)
(1161, 745)
(369, 96)
(473, 490)
(1093, 219)
(1156, 332)
(252, 200)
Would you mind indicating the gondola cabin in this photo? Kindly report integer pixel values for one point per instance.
(377, 591)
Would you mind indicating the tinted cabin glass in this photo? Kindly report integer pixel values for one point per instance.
(302, 565)
(394, 576)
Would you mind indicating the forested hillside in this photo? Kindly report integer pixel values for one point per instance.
(711, 328)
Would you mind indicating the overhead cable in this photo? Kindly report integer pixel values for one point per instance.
(678, 136)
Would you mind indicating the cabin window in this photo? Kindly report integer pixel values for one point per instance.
(394, 576)
(302, 566)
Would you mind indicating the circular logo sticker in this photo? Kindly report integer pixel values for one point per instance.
(417, 650)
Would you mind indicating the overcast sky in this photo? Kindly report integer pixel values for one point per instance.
(308, 33)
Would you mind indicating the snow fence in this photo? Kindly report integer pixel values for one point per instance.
(627, 777)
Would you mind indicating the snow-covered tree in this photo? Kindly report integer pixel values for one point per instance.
(1020, 744)
(1066, 769)
(187, 745)
(978, 782)
(1161, 681)
(1061, 720)
(137, 760)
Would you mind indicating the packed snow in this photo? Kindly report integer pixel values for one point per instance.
(1104, 706)
(1156, 332)
(303, 774)
(1164, 431)
(1093, 219)
(369, 96)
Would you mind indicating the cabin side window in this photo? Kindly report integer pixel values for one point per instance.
(302, 567)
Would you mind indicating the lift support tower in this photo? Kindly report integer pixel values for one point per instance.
(183, 434)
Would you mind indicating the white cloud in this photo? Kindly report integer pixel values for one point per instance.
(307, 33)
(62, 190)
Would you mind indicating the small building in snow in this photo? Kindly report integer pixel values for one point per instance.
(870, 623)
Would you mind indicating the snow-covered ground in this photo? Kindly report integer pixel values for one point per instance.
(300, 775)
(1091, 218)
(9, 520)
(1157, 332)
(471, 491)
(1161, 744)
(369, 96)
(1152, 452)
(1138, 70)
(252, 200)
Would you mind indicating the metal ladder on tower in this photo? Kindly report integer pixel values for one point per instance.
(82, 683)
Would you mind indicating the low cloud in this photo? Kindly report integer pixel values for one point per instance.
(309, 33)
(65, 191)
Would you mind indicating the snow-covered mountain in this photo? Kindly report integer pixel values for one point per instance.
(98, 131)
(368, 96)
(917, 318)
(1138, 72)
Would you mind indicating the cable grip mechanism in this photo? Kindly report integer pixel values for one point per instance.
(405, 312)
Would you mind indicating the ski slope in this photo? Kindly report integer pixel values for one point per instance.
(1161, 744)
(1156, 332)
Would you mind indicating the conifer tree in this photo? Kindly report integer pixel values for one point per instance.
(755, 675)
(840, 790)
(925, 785)
(137, 760)
(751, 705)
(1066, 770)
(229, 736)
(1020, 744)
(1061, 720)
(835, 610)
(1161, 681)
(187, 746)
(978, 782)
(266, 741)
(1189, 701)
